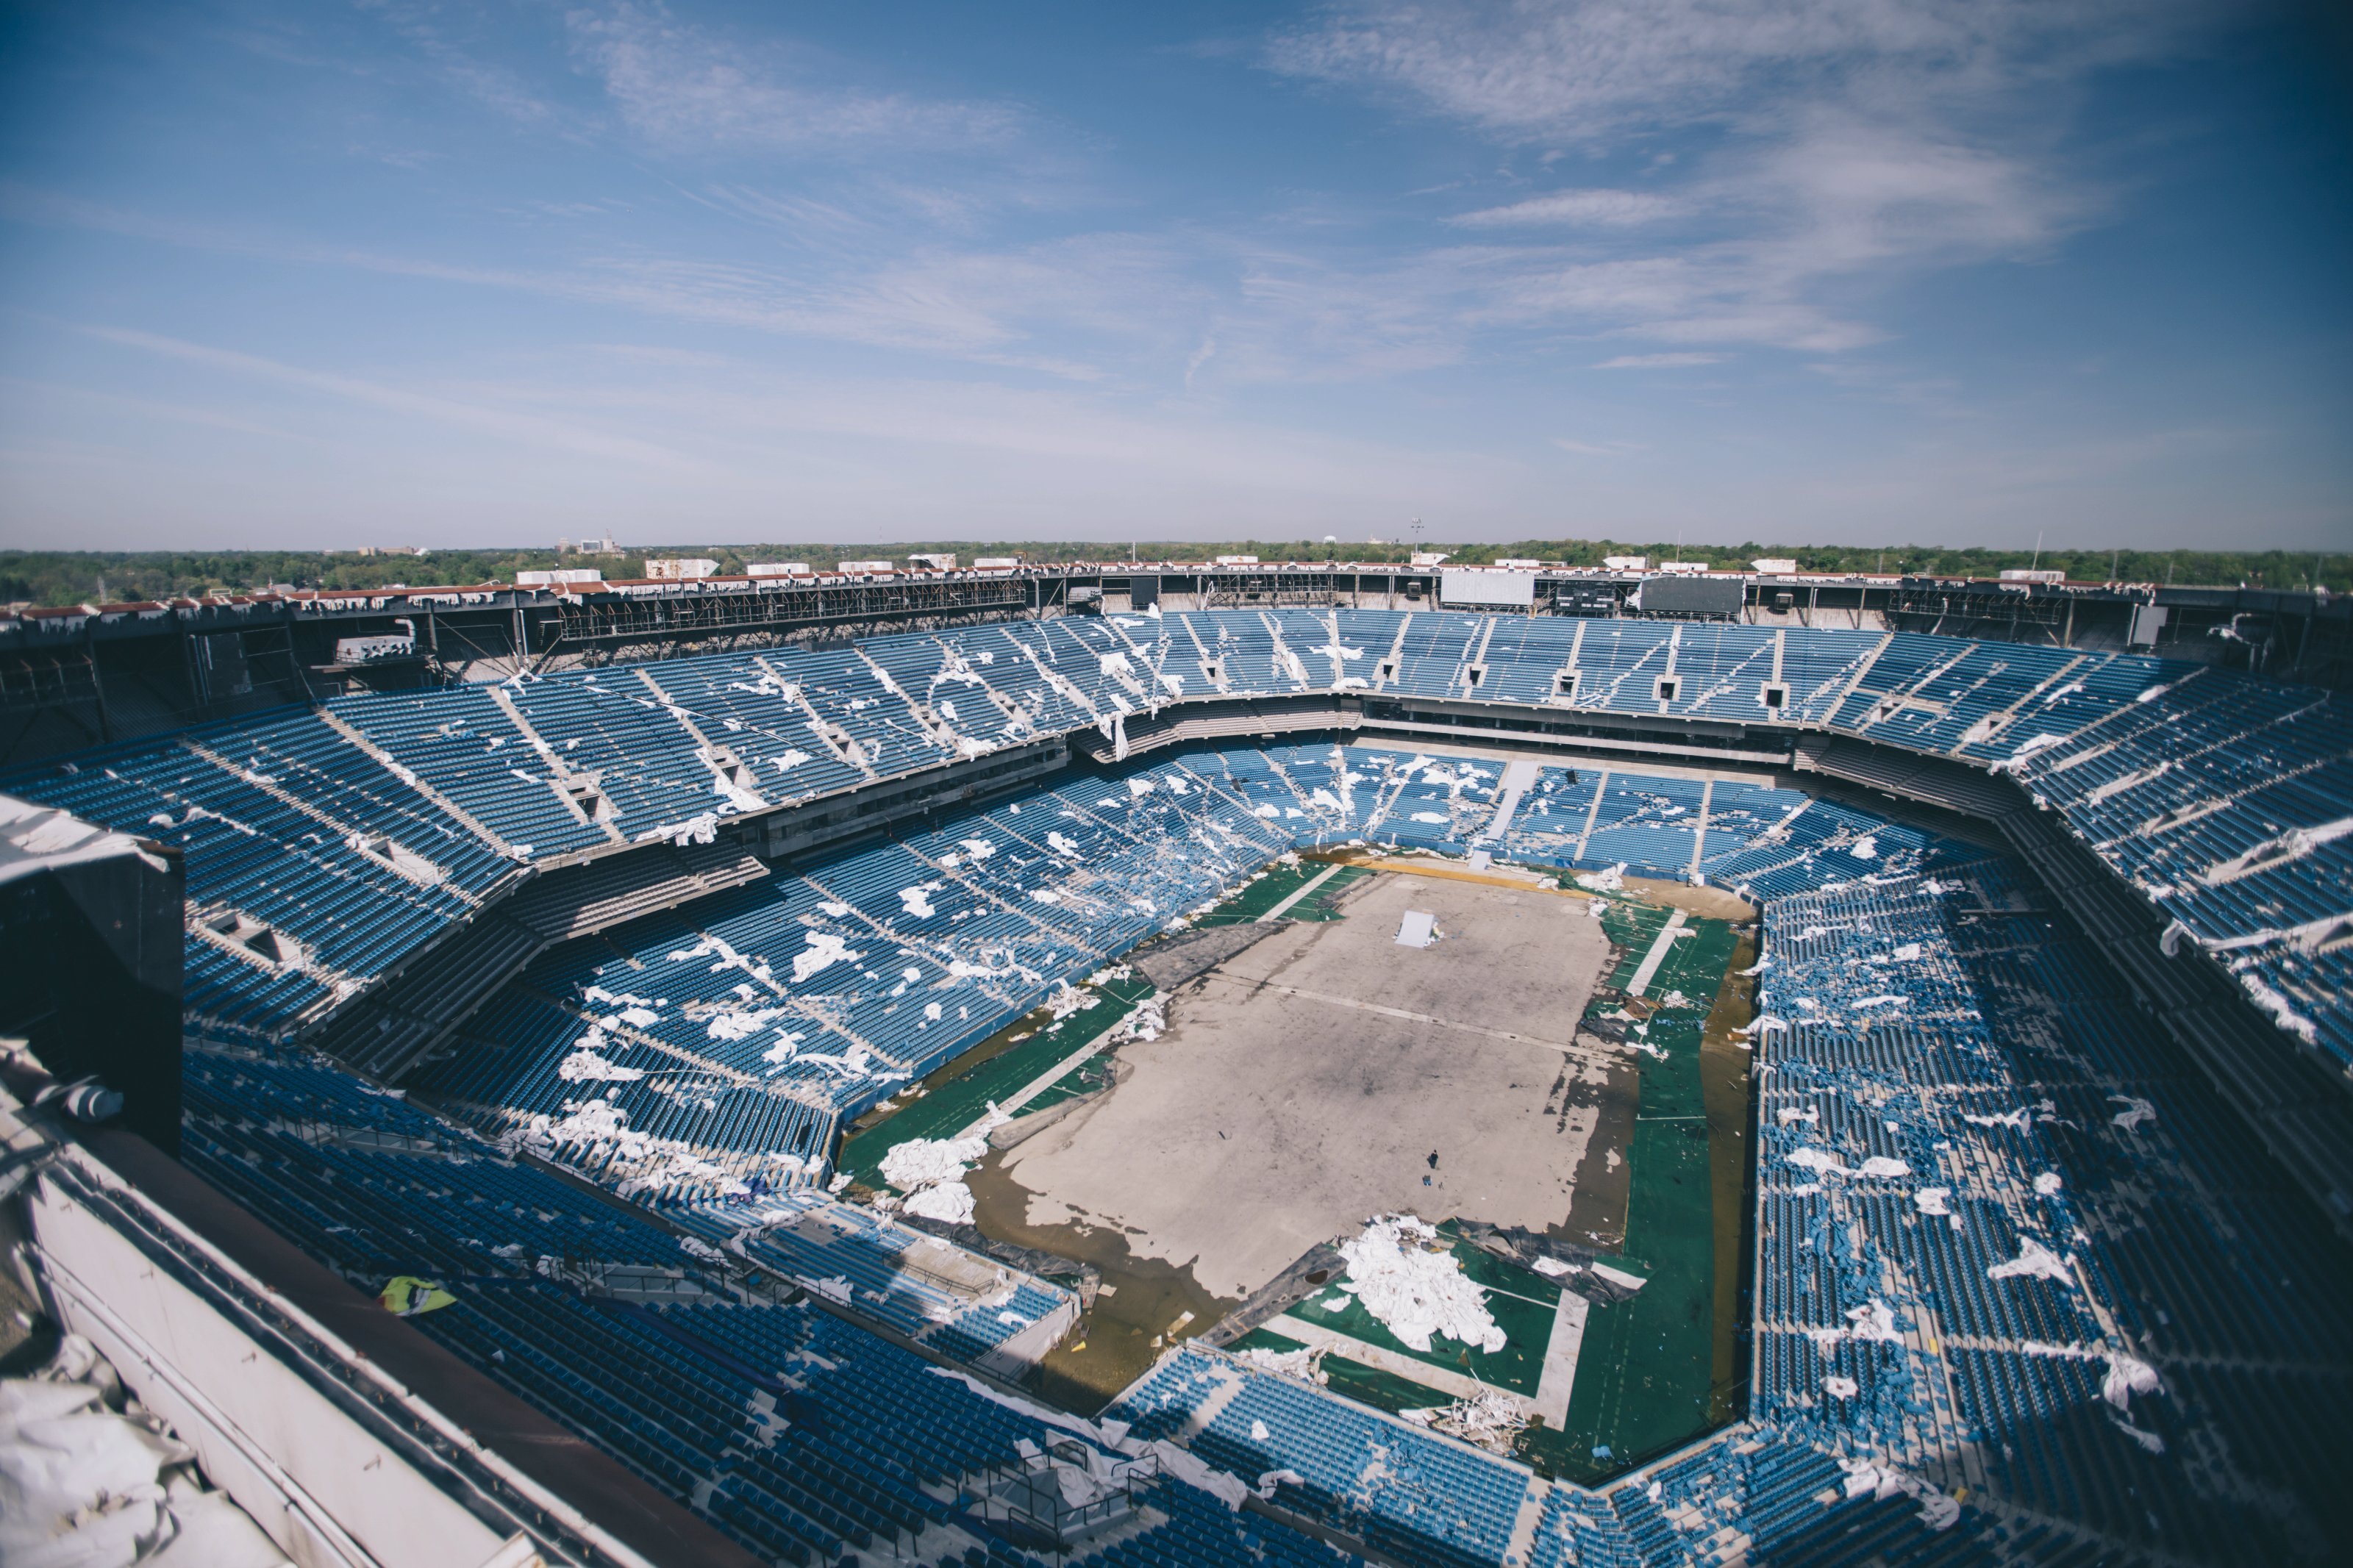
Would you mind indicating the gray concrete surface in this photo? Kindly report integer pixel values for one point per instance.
(1303, 1084)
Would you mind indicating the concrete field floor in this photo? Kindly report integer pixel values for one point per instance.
(1301, 1087)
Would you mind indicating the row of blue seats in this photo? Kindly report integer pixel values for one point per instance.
(799, 1433)
(2089, 1141)
(553, 766)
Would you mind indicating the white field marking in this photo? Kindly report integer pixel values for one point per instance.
(1316, 1336)
(1656, 956)
(1559, 1375)
(1283, 908)
(1036, 1086)
(1576, 1052)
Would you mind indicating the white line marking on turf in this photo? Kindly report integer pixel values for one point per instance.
(1580, 1053)
(1283, 908)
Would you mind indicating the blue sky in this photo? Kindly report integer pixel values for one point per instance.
(1851, 270)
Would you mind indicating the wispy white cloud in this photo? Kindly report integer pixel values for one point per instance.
(1659, 362)
(1590, 208)
(428, 29)
(685, 85)
(1593, 70)
(1834, 139)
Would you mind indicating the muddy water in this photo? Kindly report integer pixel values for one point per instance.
(1142, 1308)
(1605, 1177)
(1725, 1083)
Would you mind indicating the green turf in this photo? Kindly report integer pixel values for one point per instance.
(961, 1099)
(1643, 1372)
(1256, 898)
(1354, 1380)
(1523, 1303)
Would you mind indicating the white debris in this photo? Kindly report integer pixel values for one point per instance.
(1416, 929)
(2283, 1012)
(1145, 1023)
(1809, 1158)
(2021, 1119)
(2048, 1182)
(1841, 1387)
(1063, 845)
(1298, 1364)
(699, 829)
(1608, 881)
(2127, 1376)
(585, 1066)
(824, 951)
(2034, 1260)
(949, 1201)
(1873, 1321)
(1274, 1479)
(978, 848)
(1932, 1200)
(1907, 953)
(1881, 1165)
(1890, 1000)
(2134, 1112)
(923, 1162)
(1492, 1420)
(1790, 1114)
(1416, 1288)
(1864, 848)
(1619, 1276)
(1863, 1478)
(89, 1488)
(1432, 816)
(918, 899)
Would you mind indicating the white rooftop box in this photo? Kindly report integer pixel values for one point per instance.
(1486, 585)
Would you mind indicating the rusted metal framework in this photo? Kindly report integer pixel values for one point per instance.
(1980, 609)
(662, 619)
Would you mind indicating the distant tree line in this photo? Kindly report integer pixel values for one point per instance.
(74, 577)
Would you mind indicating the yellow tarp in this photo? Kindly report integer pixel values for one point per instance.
(408, 1296)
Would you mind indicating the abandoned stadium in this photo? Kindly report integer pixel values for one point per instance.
(1280, 1086)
